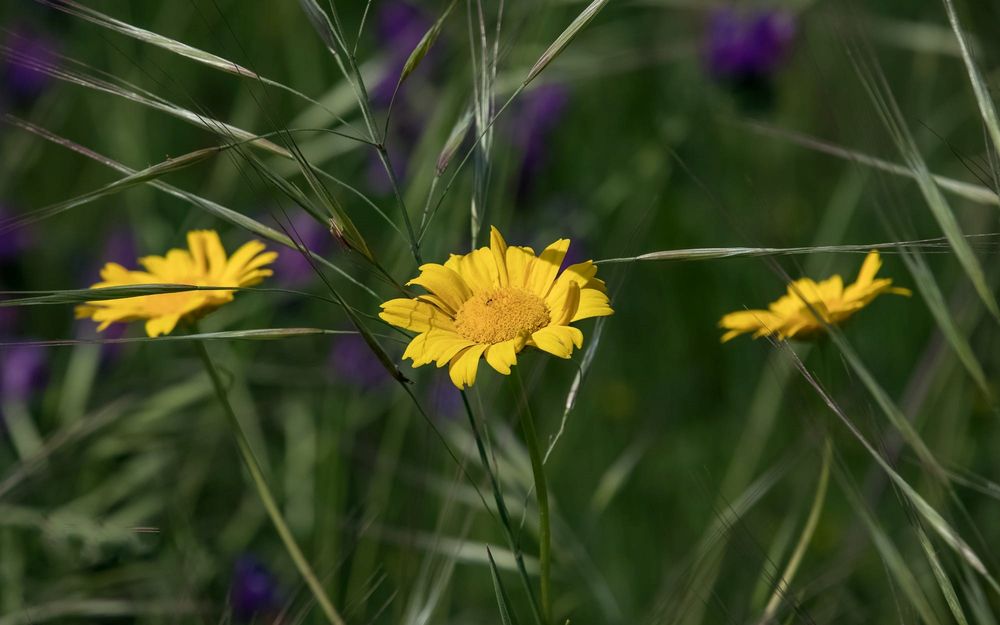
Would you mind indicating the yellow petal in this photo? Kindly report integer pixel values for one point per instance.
(415, 315)
(161, 325)
(593, 303)
(498, 247)
(558, 340)
(434, 345)
(581, 273)
(479, 270)
(465, 365)
(445, 283)
(869, 268)
(518, 261)
(243, 255)
(446, 348)
(749, 321)
(562, 312)
(502, 356)
(207, 252)
(542, 273)
(831, 289)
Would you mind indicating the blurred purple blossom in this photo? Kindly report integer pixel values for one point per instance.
(23, 371)
(540, 112)
(254, 589)
(13, 241)
(291, 268)
(746, 46)
(119, 247)
(353, 362)
(26, 52)
(400, 27)
(8, 317)
(378, 179)
(444, 399)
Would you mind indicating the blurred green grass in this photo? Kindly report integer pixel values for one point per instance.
(139, 514)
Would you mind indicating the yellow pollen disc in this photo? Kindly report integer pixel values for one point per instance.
(500, 315)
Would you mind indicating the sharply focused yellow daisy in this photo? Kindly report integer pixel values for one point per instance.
(792, 316)
(494, 302)
(204, 263)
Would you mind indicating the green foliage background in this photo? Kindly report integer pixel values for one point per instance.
(687, 468)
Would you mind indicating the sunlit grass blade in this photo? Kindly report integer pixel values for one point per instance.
(677, 602)
(574, 389)
(937, 245)
(932, 516)
(947, 588)
(931, 293)
(507, 616)
(972, 192)
(564, 39)
(424, 45)
(894, 561)
(172, 45)
(987, 109)
(340, 221)
(139, 96)
(448, 150)
(140, 177)
(878, 89)
(97, 610)
(259, 334)
(213, 208)
(329, 29)
(819, 499)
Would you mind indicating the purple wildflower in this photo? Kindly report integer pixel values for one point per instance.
(747, 47)
(400, 27)
(13, 241)
(22, 371)
(353, 362)
(292, 268)
(27, 52)
(119, 247)
(444, 399)
(539, 114)
(254, 589)
(8, 317)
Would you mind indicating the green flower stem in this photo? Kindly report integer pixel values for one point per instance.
(502, 510)
(264, 491)
(542, 494)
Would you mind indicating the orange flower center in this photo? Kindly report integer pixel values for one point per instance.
(500, 315)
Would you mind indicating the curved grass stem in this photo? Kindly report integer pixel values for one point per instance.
(264, 492)
(502, 511)
(542, 494)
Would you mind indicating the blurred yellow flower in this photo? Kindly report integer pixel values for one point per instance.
(793, 316)
(204, 263)
(494, 302)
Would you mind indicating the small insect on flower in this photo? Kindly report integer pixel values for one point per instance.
(794, 315)
(493, 303)
(204, 263)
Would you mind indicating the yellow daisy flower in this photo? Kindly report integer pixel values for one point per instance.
(493, 303)
(791, 317)
(204, 263)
